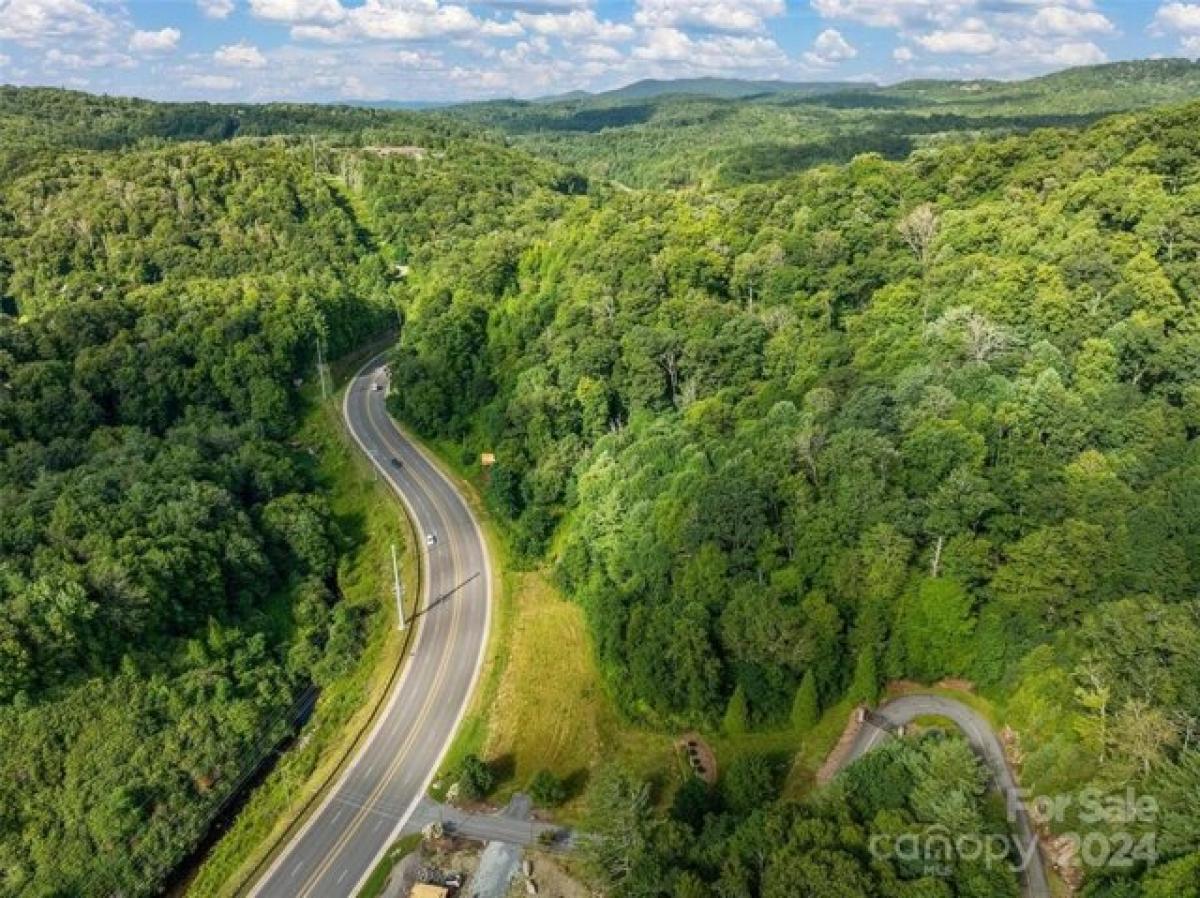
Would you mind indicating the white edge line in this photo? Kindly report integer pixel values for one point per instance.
(483, 644)
(396, 691)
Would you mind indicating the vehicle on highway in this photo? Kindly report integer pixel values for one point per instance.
(377, 387)
(431, 539)
(396, 463)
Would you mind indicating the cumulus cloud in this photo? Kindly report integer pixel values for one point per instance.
(297, 11)
(891, 13)
(494, 28)
(241, 55)
(1073, 53)
(1178, 17)
(57, 60)
(972, 42)
(215, 9)
(35, 22)
(1066, 21)
(709, 54)
(537, 5)
(829, 49)
(714, 15)
(398, 20)
(603, 53)
(211, 82)
(576, 25)
(1011, 33)
(162, 41)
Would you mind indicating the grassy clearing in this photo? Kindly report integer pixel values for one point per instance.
(542, 703)
(372, 520)
(378, 879)
(551, 711)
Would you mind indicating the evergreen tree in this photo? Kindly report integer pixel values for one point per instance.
(806, 709)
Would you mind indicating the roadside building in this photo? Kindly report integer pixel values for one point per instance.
(424, 890)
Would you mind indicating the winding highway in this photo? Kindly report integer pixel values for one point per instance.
(381, 793)
(978, 732)
(367, 808)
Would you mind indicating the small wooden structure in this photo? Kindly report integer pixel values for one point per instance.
(409, 152)
(424, 890)
(699, 757)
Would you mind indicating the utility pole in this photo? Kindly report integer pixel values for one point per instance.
(321, 370)
(399, 589)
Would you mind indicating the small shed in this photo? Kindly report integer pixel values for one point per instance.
(424, 890)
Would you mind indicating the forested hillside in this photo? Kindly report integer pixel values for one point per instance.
(168, 570)
(936, 416)
(887, 420)
(727, 133)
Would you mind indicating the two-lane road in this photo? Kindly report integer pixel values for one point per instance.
(368, 807)
(978, 732)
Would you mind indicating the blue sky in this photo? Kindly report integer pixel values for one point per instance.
(442, 50)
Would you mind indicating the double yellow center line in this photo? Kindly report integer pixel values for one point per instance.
(431, 696)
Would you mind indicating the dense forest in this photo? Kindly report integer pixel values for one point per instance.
(911, 419)
(784, 437)
(712, 132)
(168, 571)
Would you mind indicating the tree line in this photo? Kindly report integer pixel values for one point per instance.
(885, 420)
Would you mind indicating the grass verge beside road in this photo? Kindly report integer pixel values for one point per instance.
(378, 879)
(542, 703)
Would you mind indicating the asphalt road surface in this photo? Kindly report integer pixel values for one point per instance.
(368, 807)
(514, 825)
(979, 734)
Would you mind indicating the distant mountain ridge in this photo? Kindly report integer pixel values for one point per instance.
(705, 131)
(722, 88)
(1123, 72)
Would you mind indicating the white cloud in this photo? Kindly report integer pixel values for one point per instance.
(399, 20)
(966, 42)
(891, 13)
(162, 41)
(577, 25)
(215, 9)
(493, 28)
(1178, 17)
(57, 60)
(354, 88)
(711, 54)
(714, 15)
(240, 55)
(1073, 53)
(605, 53)
(36, 22)
(1062, 20)
(537, 5)
(829, 49)
(1012, 33)
(324, 12)
(211, 82)
(1191, 45)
